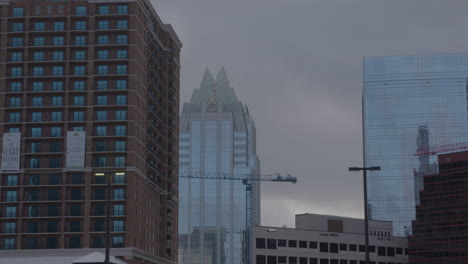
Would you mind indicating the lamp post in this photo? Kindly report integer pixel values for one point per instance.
(366, 217)
(108, 213)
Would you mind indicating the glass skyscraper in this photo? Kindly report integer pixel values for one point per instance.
(410, 103)
(217, 135)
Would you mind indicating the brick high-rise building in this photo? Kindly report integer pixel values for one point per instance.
(108, 71)
(440, 231)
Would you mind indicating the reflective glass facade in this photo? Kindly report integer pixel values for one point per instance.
(409, 103)
(217, 135)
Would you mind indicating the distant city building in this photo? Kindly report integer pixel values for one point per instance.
(440, 231)
(90, 93)
(411, 104)
(325, 239)
(217, 135)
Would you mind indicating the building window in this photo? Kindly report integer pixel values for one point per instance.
(34, 195)
(39, 41)
(381, 251)
(271, 243)
(17, 56)
(119, 162)
(80, 25)
(14, 130)
(55, 147)
(34, 163)
(37, 86)
(15, 117)
(57, 55)
(102, 85)
(36, 116)
(323, 247)
(59, 41)
(101, 100)
(56, 116)
(54, 179)
(80, 11)
(117, 241)
(79, 86)
(58, 26)
(16, 72)
(103, 39)
(57, 86)
(18, 27)
(10, 211)
(121, 99)
(10, 227)
(38, 71)
(101, 146)
(18, 11)
(292, 243)
(53, 195)
(103, 24)
(333, 247)
(122, 54)
(55, 131)
(352, 247)
(12, 196)
(15, 102)
(36, 147)
(36, 132)
(76, 178)
(121, 69)
(103, 55)
(121, 115)
(119, 178)
(75, 210)
(12, 180)
(80, 55)
(78, 100)
(302, 244)
(80, 40)
(57, 70)
(78, 116)
(55, 163)
(103, 69)
(52, 242)
(101, 115)
(118, 209)
(80, 70)
(122, 24)
(17, 42)
(75, 194)
(57, 101)
(16, 87)
(9, 243)
(119, 194)
(343, 247)
(39, 26)
(103, 10)
(120, 146)
(118, 226)
(122, 39)
(292, 260)
(99, 225)
(78, 128)
(121, 84)
(122, 9)
(101, 161)
(101, 131)
(120, 131)
(38, 56)
(52, 210)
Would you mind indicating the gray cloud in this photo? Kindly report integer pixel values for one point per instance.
(298, 66)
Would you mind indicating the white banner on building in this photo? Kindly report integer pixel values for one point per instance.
(11, 152)
(76, 142)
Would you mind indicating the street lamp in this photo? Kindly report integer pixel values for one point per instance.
(108, 213)
(366, 217)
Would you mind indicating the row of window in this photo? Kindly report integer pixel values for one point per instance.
(38, 71)
(101, 131)
(53, 242)
(55, 179)
(78, 85)
(262, 259)
(98, 225)
(60, 40)
(78, 116)
(60, 25)
(77, 100)
(327, 247)
(54, 195)
(79, 10)
(57, 162)
(59, 56)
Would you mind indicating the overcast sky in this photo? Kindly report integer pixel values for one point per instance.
(297, 65)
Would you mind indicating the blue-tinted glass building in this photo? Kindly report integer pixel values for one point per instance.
(410, 103)
(217, 135)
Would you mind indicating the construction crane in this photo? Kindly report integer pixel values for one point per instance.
(442, 148)
(247, 180)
